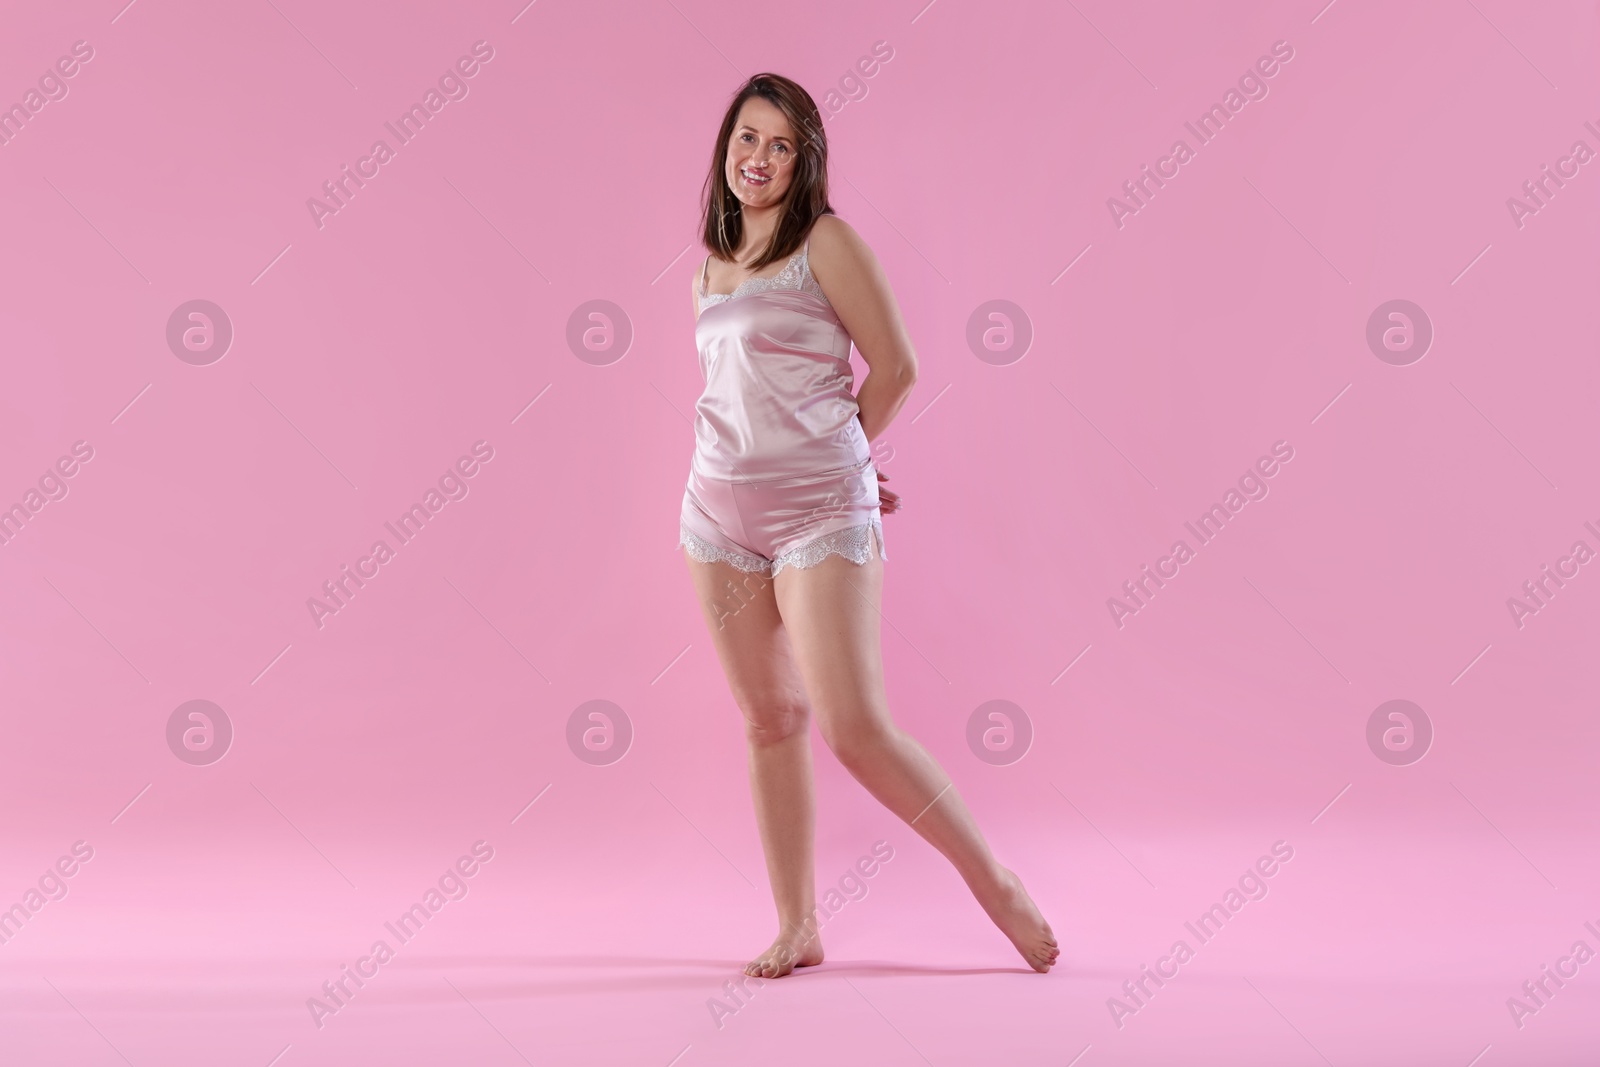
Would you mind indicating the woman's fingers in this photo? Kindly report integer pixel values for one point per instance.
(887, 501)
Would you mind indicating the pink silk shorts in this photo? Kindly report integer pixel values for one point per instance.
(765, 526)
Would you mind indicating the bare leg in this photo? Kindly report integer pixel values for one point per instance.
(754, 650)
(831, 614)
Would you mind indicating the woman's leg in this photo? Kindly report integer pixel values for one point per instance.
(831, 614)
(754, 650)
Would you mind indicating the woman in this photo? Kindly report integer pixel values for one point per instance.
(783, 510)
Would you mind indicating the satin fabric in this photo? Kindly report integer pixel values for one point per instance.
(780, 456)
(769, 520)
(779, 399)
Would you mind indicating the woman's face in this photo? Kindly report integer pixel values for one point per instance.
(761, 155)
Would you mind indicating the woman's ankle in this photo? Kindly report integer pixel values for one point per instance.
(990, 880)
(804, 928)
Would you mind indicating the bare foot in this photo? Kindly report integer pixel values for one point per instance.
(1015, 913)
(788, 951)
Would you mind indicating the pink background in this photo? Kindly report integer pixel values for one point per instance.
(1167, 355)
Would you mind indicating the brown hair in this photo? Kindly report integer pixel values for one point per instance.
(807, 196)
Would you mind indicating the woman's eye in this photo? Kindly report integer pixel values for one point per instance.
(747, 137)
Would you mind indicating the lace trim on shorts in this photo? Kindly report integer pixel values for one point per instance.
(854, 543)
(706, 552)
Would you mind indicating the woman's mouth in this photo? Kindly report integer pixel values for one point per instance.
(754, 178)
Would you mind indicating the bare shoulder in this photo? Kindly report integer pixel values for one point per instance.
(855, 285)
(841, 260)
(694, 289)
(836, 244)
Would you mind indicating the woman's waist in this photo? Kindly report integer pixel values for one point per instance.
(796, 376)
(778, 423)
(820, 462)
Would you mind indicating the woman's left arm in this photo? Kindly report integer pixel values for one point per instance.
(856, 286)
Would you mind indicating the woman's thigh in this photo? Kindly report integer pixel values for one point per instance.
(741, 614)
(832, 614)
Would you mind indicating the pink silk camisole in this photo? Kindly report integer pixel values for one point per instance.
(779, 398)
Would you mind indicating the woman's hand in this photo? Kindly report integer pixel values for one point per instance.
(888, 499)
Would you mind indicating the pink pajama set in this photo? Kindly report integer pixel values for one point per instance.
(782, 473)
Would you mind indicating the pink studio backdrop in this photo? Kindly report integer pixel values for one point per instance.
(1154, 343)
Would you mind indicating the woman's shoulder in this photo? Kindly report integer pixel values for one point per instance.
(838, 249)
(830, 232)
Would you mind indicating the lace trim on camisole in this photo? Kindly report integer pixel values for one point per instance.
(854, 543)
(796, 274)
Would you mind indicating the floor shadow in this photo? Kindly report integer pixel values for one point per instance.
(592, 960)
(889, 969)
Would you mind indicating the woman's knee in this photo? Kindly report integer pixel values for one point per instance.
(857, 741)
(769, 720)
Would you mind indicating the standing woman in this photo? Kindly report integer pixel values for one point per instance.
(782, 512)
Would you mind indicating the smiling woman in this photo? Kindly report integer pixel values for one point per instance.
(782, 484)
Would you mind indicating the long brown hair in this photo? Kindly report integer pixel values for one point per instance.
(807, 196)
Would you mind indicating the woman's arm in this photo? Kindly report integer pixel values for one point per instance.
(856, 286)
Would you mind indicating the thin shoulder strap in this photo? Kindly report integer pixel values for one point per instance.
(704, 264)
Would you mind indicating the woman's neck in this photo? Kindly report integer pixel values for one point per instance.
(759, 226)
